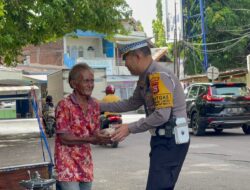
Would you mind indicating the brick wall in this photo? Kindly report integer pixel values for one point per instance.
(46, 54)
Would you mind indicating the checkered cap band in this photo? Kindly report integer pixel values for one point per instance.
(133, 46)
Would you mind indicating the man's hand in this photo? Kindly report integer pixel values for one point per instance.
(121, 132)
(102, 138)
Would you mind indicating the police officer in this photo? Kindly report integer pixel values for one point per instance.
(162, 95)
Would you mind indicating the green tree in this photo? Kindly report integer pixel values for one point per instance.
(1, 13)
(1, 8)
(159, 10)
(35, 22)
(228, 30)
(158, 27)
(139, 26)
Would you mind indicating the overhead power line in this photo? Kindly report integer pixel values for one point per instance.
(214, 51)
(221, 42)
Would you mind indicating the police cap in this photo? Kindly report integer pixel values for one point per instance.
(125, 47)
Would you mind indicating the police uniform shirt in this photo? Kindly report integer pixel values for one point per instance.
(162, 93)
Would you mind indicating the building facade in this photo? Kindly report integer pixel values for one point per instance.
(91, 48)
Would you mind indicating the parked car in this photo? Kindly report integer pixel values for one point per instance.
(218, 106)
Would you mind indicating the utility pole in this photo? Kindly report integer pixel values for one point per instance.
(205, 61)
(176, 66)
(248, 71)
(192, 17)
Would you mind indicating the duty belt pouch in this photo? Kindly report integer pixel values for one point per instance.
(181, 132)
(168, 131)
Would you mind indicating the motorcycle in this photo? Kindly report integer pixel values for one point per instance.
(49, 121)
(109, 120)
(50, 125)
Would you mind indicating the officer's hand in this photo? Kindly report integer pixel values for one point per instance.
(120, 133)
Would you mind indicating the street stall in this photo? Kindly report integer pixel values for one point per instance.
(15, 102)
(28, 176)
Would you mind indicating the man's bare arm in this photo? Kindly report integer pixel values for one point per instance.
(98, 138)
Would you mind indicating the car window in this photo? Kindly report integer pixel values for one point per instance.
(186, 91)
(193, 92)
(230, 90)
(202, 90)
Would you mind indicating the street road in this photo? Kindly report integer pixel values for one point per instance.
(220, 162)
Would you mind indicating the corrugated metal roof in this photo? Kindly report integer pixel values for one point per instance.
(157, 53)
(17, 88)
(10, 74)
(37, 77)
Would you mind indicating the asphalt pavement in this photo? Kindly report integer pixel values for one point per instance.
(214, 161)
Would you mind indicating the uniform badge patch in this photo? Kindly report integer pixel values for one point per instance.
(154, 85)
(163, 98)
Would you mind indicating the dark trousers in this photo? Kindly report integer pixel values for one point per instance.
(166, 159)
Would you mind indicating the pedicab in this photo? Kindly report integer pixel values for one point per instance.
(30, 176)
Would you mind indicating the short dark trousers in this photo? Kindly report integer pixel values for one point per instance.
(166, 159)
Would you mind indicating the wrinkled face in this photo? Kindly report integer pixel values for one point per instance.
(84, 84)
(132, 62)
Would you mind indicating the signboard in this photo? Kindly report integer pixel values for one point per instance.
(212, 73)
(171, 17)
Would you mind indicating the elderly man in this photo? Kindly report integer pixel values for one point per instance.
(77, 119)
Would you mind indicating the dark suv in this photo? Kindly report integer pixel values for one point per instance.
(218, 106)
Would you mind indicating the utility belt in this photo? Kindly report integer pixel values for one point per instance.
(165, 130)
(176, 128)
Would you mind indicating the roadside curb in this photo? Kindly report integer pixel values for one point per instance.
(12, 136)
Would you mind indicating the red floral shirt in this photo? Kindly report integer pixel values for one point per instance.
(74, 162)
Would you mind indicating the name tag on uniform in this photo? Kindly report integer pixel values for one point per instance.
(181, 131)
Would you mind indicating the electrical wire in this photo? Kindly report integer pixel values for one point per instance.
(190, 45)
(226, 41)
(234, 30)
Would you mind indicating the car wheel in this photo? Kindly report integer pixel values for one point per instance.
(218, 131)
(246, 129)
(197, 128)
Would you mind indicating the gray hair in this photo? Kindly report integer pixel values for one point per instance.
(75, 71)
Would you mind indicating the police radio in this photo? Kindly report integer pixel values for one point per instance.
(181, 132)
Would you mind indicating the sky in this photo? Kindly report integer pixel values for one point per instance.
(144, 11)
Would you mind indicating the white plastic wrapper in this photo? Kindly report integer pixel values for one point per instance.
(109, 131)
